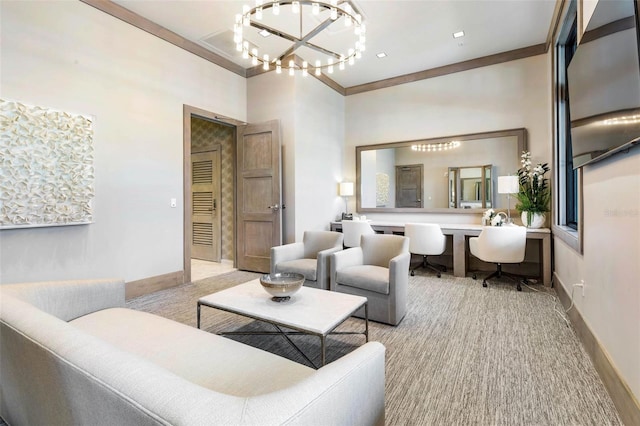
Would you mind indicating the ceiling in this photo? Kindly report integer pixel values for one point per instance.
(416, 35)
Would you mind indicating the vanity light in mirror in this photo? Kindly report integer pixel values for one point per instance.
(436, 146)
(427, 175)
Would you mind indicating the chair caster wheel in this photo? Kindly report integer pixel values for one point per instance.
(474, 276)
(484, 284)
(439, 275)
(412, 273)
(519, 288)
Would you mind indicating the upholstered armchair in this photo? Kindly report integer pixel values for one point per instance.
(499, 245)
(310, 257)
(378, 270)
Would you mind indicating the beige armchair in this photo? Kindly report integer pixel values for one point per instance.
(378, 270)
(310, 257)
(499, 245)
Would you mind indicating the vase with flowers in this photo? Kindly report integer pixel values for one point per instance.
(492, 218)
(534, 195)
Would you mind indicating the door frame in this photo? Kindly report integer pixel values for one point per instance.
(189, 111)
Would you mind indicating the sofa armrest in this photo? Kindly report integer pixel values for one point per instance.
(284, 253)
(70, 299)
(348, 391)
(399, 268)
(323, 268)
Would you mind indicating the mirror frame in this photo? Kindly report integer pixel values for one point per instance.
(520, 134)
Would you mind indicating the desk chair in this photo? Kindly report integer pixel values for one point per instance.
(310, 257)
(500, 244)
(426, 239)
(377, 270)
(353, 230)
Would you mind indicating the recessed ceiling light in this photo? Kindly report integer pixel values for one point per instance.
(264, 33)
(381, 55)
(458, 34)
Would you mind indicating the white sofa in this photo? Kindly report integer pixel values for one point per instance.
(71, 354)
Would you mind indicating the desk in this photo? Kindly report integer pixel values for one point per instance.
(460, 232)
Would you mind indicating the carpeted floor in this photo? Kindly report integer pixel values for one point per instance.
(463, 355)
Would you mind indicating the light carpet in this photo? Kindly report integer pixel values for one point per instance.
(463, 355)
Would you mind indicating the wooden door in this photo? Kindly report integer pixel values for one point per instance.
(205, 200)
(259, 212)
(409, 185)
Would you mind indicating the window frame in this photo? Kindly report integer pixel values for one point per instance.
(567, 223)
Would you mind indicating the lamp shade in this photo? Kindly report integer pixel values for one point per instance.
(508, 185)
(346, 189)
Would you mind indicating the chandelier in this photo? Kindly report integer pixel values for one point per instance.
(433, 147)
(309, 28)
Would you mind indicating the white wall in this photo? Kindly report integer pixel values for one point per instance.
(610, 261)
(312, 123)
(610, 264)
(498, 97)
(320, 128)
(72, 57)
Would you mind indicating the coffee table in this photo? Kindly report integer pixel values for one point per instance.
(309, 311)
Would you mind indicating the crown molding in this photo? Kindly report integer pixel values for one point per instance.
(484, 61)
(165, 34)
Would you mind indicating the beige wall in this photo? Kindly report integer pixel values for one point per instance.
(70, 56)
(609, 264)
(505, 96)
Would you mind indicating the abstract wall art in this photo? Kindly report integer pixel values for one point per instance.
(46, 167)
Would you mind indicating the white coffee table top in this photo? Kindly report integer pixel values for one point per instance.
(309, 309)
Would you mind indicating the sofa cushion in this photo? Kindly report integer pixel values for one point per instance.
(206, 359)
(306, 267)
(367, 277)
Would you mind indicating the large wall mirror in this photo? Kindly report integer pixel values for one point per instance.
(453, 174)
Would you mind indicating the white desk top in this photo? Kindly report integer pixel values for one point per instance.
(450, 226)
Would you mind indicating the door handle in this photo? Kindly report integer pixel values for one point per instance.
(214, 204)
(275, 207)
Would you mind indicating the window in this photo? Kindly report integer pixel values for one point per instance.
(566, 176)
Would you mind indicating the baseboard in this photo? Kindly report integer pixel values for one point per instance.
(152, 284)
(622, 397)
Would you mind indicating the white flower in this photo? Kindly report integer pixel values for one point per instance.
(488, 214)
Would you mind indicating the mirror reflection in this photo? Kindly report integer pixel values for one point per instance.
(453, 173)
(470, 187)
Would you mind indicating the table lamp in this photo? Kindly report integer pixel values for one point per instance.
(508, 185)
(346, 190)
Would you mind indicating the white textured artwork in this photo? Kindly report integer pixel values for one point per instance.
(46, 167)
(382, 189)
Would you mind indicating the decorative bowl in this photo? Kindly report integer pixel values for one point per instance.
(281, 285)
